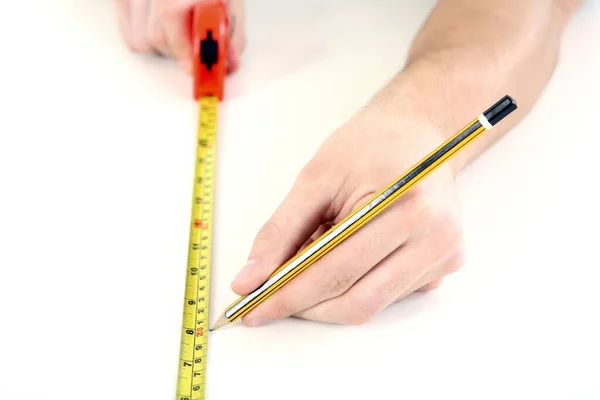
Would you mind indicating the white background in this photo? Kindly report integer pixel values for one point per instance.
(96, 153)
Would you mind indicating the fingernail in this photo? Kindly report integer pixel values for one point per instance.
(245, 272)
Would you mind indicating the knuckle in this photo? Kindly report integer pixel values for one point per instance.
(446, 239)
(433, 218)
(338, 283)
(363, 310)
(277, 309)
(417, 207)
(309, 174)
(268, 232)
(157, 38)
(424, 205)
(316, 175)
(400, 278)
(392, 286)
(361, 250)
(285, 309)
(455, 262)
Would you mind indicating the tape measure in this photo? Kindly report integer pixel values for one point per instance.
(210, 30)
(194, 336)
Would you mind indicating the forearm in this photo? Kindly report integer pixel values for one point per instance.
(468, 54)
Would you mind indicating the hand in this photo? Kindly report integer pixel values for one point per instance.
(409, 247)
(164, 27)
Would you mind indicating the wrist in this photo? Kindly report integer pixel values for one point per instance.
(431, 94)
(407, 135)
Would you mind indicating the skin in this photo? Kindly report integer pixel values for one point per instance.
(509, 47)
(164, 27)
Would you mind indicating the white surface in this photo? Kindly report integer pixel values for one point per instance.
(96, 146)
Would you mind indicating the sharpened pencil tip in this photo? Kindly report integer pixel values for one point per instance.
(221, 322)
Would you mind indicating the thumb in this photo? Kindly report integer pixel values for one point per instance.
(298, 216)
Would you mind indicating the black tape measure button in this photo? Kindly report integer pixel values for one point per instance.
(209, 50)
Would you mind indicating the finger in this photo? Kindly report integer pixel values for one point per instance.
(390, 279)
(138, 19)
(233, 59)
(298, 216)
(237, 38)
(177, 25)
(155, 30)
(335, 273)
(321, 230)
(434, 278)
(123, 16)
(430, 286)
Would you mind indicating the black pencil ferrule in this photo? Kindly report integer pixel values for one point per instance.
(501, 109)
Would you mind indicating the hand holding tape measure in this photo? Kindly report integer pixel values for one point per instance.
(210, 41)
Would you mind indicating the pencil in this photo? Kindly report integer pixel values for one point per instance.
(378, 203)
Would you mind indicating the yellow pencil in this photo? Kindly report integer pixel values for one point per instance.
(366, 212)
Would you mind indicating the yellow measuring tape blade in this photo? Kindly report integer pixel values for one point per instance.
(194, 334)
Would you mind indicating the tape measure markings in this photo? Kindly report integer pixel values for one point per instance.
(194, 336)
